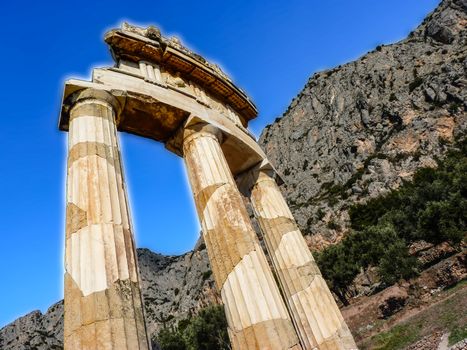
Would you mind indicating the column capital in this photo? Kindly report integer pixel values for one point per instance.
(264, 175)
(95, 94)
(262, 171)
(201, 129)
(114, 100)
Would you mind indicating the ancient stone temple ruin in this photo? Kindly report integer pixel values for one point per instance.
(161, 90)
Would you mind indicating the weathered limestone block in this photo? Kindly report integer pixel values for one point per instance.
(256, 314)
(103, 308)
(316, 315)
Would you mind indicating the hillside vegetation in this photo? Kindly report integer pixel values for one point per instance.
(431, 208)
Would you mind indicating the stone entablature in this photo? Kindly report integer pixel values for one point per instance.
(134, 44)
(155, 74)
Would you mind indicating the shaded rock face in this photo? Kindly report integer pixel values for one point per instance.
(173, 287)
(35, 331)
(359, 130)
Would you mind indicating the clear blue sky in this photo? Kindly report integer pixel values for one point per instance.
(269, 47)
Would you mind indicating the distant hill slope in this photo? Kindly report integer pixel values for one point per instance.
(353, 133)
(356, 131)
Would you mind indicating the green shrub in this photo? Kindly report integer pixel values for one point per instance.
(339, 269)
(207, 274)
(169, 339)
(206, 331)
(396, 263)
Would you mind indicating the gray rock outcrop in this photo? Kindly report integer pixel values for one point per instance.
(361, 129)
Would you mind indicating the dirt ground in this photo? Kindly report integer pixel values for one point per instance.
(442, 320)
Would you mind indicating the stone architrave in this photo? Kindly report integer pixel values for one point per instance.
(256, 314)
(317, 318)
(103, 307)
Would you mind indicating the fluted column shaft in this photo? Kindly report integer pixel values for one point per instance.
(103, 308)
(313, 308)
(256, 314)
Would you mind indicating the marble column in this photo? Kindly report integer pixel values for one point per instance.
(256, 314)
(103, 305)
(313, 308)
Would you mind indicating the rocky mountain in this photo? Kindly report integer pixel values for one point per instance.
(353, 133)
(361, 129)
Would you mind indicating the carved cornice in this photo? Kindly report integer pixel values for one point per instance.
(147, 44)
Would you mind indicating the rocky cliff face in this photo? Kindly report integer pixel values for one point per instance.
(361, 129)
(35, 331)
(353, 132)
(173, 287)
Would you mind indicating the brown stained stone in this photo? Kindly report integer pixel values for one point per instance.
(121, 259)
(118, 333)
(76, 219)
(238, 341)
(332, 343)
(203, 196)
(299, 277)
(249, 337)
(72, 341)
(88, 337)
(139, 316)
(83, 149)
(91, 109)
(131, 334)
(291, 280)
(279, 333)
(120, 299)
(217, 262)
(72, 311)
(130, 254)
(276, 228)
(103, 331)
(94, 308)
(229, 241)
(107, 314)
(346, 338)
